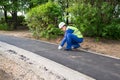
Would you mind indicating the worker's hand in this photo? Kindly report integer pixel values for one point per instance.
(59, 47)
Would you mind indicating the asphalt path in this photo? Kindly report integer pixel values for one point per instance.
(96, 66)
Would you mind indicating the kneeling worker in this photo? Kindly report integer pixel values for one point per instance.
(72, 37)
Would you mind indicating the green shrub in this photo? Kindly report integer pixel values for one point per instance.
(95, 20)
(84, 17)
(43, 20)
(112, 31)
(51, 32)
(4, 26)
(20, 20)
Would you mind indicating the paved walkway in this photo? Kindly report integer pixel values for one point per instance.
(96, 66)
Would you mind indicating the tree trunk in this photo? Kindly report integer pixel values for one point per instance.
(14, 14)
(5, 14)
(14, 18)
(67, 21)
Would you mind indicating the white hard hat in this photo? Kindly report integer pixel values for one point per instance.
(61, 24)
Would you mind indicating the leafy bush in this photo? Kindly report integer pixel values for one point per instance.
(20, 20)
(51, 32)
(95, 20)
(112, 31)
(83, 16)
(43, 19)
(4, 26)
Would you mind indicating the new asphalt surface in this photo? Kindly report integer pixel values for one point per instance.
(96, 66)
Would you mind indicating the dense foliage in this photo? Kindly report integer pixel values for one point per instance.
(14, 6)
(4, 26)
(96, 20)
(9, 25)
(43, 20)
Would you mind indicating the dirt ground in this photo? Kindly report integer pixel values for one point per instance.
(107, 47)
(5, 76)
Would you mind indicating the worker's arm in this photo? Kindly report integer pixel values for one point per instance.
(62, 43)
(65, 36)
(63, 40)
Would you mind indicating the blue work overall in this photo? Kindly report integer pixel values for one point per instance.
(72, 37)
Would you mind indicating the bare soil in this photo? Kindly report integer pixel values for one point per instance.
(103, 46)
(5, 76)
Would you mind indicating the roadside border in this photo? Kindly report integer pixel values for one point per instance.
(49, 65)
(82, 49)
